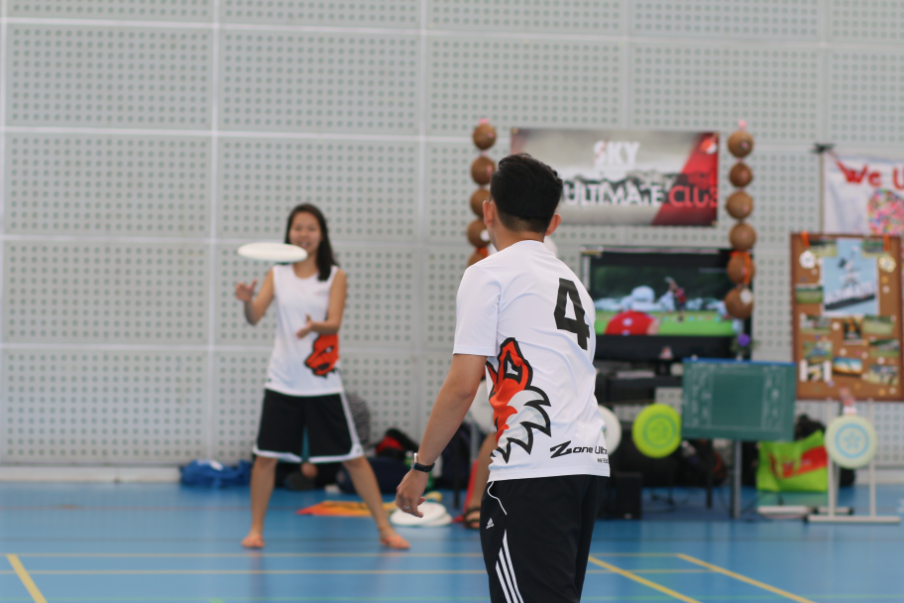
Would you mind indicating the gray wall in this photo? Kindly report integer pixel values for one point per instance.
(143, 141)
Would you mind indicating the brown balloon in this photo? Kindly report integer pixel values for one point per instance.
(477, 234)
(740, 143)
(742, 236)
(482, 169)
(484, 136)
(741, 269)
(739, 302)
(739, 205)
(475, 257)
(740, 175)
(477, 199)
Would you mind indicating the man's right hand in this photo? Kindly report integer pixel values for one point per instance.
(245, 293)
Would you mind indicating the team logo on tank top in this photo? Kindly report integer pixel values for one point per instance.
(324, 355)
(517, 405)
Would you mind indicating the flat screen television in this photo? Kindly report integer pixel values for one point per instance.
(656, 303)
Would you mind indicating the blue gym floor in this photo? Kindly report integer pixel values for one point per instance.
(166, 543)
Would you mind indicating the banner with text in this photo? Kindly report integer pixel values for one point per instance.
(632, 177)
(863, 195)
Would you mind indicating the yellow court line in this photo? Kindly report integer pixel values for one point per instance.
(239, 572)
(26, 579)
(644, 581)
(255, 555)
(751, 581)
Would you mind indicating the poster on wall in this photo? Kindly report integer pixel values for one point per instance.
(846, 315)
(630, 177)
(863, 195)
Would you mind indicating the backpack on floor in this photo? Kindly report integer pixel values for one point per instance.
(211, 474)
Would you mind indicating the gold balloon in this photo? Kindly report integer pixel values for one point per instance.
(476, 257)
(739, 302)
(742, 236)
(477, 199)
(477, 234)
(484, 136)
(739, 205)
(740, 143)
(482, 169)
(741, 269)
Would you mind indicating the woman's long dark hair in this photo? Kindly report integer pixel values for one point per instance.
(325, 259)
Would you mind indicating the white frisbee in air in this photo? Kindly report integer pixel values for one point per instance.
(273, 252)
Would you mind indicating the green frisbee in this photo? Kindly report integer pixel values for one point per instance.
(657, 431)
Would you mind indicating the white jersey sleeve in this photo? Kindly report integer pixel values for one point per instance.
(477, 312)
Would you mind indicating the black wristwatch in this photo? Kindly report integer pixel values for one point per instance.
(418, 467)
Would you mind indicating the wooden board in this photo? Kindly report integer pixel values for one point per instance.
(846, 315)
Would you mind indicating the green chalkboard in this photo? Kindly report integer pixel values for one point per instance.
(738, 400)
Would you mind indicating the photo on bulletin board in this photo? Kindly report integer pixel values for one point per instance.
(847, 316)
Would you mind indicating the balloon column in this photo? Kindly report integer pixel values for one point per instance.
(482, 169)
(739, 301)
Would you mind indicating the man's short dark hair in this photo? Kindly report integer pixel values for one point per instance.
(526, 193)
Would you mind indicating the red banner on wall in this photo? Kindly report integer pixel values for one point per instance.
(630, 177)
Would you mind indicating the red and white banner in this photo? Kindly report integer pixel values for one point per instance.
(863, 195)
(630, 177)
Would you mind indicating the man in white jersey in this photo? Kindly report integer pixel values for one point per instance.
(525, 318)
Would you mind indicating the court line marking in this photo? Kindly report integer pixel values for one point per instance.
(138, 572)
(255, 555)
(742, 578)
(29, 584)
(644, 581)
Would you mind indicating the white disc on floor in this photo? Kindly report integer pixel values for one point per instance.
(273, 252)
(434, 514)
(851, 441)
(612, 430)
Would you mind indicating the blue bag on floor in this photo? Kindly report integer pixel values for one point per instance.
(212, 474)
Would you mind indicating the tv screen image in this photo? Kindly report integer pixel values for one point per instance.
(658, 300)
(667, 301)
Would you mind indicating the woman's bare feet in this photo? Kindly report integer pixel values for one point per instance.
(391, 539)
(253, 541)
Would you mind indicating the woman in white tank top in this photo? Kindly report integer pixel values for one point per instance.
(304, 394)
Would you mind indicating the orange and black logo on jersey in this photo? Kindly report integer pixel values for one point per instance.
(514, 398)
(324, 355)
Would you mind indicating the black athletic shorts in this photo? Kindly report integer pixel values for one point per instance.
(536, 536)
(326, 420)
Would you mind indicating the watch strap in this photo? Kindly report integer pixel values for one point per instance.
(419, 467)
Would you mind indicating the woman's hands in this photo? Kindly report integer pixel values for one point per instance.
(307, 328)
(245, 293)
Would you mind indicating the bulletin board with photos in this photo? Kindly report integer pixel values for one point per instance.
(846, 311)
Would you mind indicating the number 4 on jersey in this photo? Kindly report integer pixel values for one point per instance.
(574, 325)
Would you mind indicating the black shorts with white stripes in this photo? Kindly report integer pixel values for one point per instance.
(536, 536)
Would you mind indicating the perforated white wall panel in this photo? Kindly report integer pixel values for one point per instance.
(261, 180)
(107, 185)
(871, 21)
(347, 13)
(127, 77)
(683, 87)
(84, 292)
(287, 81)
(143, 141)
(566, 16)
(121, 10)
(96, 405)
(767, 19)
(866, 88)
(511, 81)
